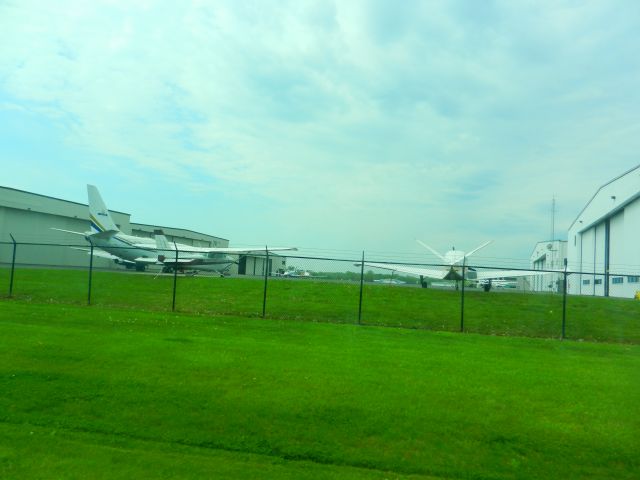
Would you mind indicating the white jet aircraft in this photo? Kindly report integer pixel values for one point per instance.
(202, 258)
(453, 262)
(139, 252)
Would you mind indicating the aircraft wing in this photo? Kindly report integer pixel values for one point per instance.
(437, 273)
(147, 260)
(171, 260)
(98, 253)
(491, 274)
(162, 245)
(240, 251)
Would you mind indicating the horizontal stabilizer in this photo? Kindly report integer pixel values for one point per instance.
(477, 248)
(433, 251)
(70, 231)
(103, 235)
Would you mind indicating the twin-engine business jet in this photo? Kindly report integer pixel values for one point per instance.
(139, 252)
(451, 268)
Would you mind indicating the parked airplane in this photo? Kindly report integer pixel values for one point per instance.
(138, 252)
(297, 274)
(497, 283)
(390, 281)
(451, 269)
(195, 258)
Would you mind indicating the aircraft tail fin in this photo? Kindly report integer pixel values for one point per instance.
(162, 243)
(166, 250)
(99, 216)
(104, 235)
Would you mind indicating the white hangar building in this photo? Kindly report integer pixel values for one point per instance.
(548, 255)
(604, 240)
(31, 219)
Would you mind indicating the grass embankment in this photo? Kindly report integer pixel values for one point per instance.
(91, 392)
(495, 313)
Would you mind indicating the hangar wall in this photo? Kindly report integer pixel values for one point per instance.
(31, 218)
(179, 235)
(603, 240)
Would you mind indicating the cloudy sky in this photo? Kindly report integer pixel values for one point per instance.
(343, 125)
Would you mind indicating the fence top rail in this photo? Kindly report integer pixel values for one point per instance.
(358, 261)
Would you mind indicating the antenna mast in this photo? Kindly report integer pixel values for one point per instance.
(553, 218)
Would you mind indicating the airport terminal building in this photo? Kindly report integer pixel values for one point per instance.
(603, 241)
(31, 219)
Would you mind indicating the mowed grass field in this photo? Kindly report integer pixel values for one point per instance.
(126, 389)
(494, 313)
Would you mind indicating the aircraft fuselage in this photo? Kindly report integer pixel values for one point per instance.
(123, 246)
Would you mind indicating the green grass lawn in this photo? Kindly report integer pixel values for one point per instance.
(104, 392)
(494, 313)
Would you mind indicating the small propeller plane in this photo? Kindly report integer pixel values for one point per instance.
(139, 252)
(451, 269)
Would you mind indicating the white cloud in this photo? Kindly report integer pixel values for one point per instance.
(393, 117)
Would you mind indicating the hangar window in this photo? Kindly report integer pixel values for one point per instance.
(634, 279)
(617, 280)
(597, 281)
(586, 282)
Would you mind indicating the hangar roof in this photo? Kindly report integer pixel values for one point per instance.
(172, 230)
(23, 200)
(608, 199)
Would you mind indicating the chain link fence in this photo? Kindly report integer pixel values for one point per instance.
(318, 289)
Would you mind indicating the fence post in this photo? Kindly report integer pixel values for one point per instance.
(90, 270)
(564, 299)
(361, 288)
(13, 265)
(266, 276)
(464, 264)
(175, 279)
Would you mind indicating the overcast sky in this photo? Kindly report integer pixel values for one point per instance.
(344, 125)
